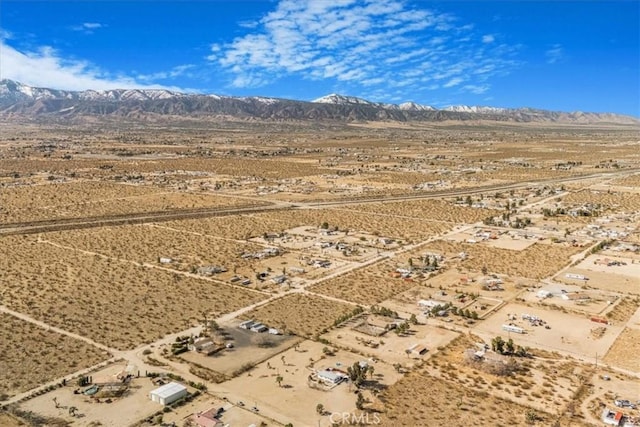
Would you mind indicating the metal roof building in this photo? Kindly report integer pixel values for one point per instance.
(168, 393)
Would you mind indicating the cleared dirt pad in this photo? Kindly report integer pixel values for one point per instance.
(31, 355)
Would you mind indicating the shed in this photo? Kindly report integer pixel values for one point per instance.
(168, 393)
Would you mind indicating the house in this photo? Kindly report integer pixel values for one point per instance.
(203, 345)
(259, 327)
(511, 328)
(271, 251)
(542, 294)
(417, 350)
(208, 418)
(331, 377)
(247, 324)
(168, 393)
(575, 296)
(211, 269)
(428, 304)
(611, 418)
(278, 280)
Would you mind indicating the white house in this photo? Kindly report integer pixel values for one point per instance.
(168, 393)
(331, 377)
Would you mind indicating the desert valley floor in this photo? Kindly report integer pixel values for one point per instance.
(296, 274)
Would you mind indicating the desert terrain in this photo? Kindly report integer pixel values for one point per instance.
(298, 274)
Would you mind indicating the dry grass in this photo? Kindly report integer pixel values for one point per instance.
(421, 400)
(624, 351)
(627, 181)
(365, 286)
(147, 243)
(8, 420)
(612, 201)
(246, 226)
(89, 199)
(623, 311)
(117, 303)
(30, 355)
(437, 210)
(537, 261)
(304, 315)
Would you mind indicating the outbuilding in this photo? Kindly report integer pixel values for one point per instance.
(168, 393)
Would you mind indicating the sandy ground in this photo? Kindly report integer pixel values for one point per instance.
(391, 347)
(133, 406)
(117, 303)
(248, 348)
(537, 261)
(39, 356)
(609, 281)
(87, 199)
(295, 401)
(624, 351)
(304, 315)
(568, 333)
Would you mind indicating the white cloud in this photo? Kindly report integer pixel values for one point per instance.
(453, 82)
(88, 27)
(363, 43)
(476, 89)
(488, 38)
(555, 54)
(47, 68)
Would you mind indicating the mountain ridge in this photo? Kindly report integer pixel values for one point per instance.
(24, 100)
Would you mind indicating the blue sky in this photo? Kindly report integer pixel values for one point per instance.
(557, 55)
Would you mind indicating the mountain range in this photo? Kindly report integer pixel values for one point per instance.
(17, 99)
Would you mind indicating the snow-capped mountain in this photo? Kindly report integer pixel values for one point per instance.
(412, 106)
(474, 109)
(352, 100)
(17, 99)
(334, 98)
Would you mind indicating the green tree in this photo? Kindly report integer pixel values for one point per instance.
(413, 319)
(320, 409)
(360, 401)
(497, 344)
(279, 380)
(510, 348)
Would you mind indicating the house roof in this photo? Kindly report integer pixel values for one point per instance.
(169, 390)
(330, 375)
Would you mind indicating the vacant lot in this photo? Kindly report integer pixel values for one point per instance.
(435, 210)
(624, 351)
(365, 286)
(421, 400)
(244, 227)
(117, 303)
(610, 201)
(304, 315)
(30, 356)
(148, 243)
(535, 262)
(89, 199)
